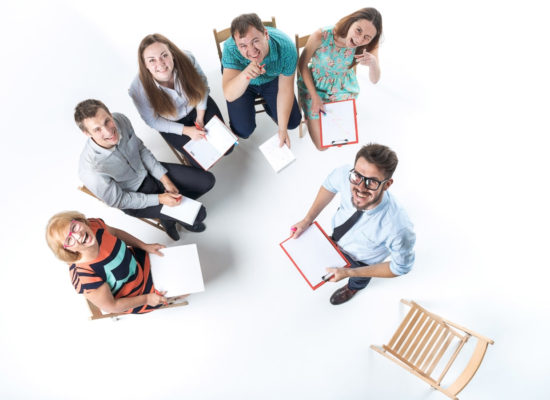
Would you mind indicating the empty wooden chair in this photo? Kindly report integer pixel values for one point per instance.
(422, 340)
(223, 35)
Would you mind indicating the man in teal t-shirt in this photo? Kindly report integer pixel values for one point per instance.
(259, 61)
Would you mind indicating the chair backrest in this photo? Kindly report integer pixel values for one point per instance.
(224, 34)
(151, 221)
(422, 340)
(300, 42)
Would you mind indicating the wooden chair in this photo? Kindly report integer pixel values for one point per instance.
(423, 338)
(180, 156)
(151, 221)
(98, 314)
(300, 42)
(223, 35)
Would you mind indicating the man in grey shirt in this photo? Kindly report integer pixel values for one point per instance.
(117, 167)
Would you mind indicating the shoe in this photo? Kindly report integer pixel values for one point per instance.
(200, 227)
(172, 231)
(342, 295)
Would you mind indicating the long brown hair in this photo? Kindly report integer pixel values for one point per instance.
(370, 14)
(188, 77)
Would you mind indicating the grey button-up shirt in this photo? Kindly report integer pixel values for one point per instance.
(115, 174)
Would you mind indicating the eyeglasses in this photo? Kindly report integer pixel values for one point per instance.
(75, 228)
(370, 183)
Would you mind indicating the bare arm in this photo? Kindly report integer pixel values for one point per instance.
(103, 298)
(313, 43)
(285, 100)
(235, 82)
(371, 61)
(133, 241)
(324, 197)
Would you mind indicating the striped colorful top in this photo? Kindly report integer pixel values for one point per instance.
(125, 269)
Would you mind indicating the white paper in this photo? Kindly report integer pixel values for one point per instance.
(218, 140)
(338, 125)
(278, 157)
(178, 272)
(313, 252)
(186, 211)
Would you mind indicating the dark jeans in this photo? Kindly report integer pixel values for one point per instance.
(178, 140)
(356, 283)
(191, 182)
(242, 114)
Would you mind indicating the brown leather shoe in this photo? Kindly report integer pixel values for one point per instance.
(342, 295)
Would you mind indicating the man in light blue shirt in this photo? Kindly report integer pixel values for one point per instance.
(380, 227)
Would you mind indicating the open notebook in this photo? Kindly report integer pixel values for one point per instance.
(339, 124)
(178, 272)
(312, 252)
(218, 140)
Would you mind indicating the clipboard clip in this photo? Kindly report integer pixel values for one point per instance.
(339, 143)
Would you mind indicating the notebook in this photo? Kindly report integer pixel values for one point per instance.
(186, 211)
(278, 157)
(218, 139)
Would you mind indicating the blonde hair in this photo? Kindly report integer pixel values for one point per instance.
(55, 231)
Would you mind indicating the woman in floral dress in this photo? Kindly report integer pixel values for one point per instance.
(326, 65)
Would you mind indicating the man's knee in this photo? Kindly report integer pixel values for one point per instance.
(242, 128)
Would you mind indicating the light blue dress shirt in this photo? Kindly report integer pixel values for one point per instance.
(115, 174)
(381, 232)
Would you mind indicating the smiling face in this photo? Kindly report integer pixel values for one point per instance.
(78, 237)
(102, 129)
(360, 33)
(254, 45)
(363, 198)
(159, 62)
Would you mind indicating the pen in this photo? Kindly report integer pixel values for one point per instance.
(200, 129)
(327, 277)
(323, 112)
(293, 229)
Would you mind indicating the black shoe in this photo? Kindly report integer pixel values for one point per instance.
(172, 231)
(342, 295)
(200, 227)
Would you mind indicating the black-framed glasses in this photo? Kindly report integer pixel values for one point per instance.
(370, 183)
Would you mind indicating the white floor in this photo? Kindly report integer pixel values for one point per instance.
(463, 101)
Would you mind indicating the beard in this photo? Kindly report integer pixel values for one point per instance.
(372, 202)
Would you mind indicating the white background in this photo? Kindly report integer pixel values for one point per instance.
(463, 100)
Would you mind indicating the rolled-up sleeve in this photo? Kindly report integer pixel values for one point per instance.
(402, 252)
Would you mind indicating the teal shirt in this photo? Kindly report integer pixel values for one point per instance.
(281, 59)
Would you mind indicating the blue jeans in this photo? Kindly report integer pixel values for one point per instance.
(356, 283)
(242, 114)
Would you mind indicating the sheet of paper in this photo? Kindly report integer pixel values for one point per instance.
(186, 212)
(218, 140)
(178, 272)
(339, 125)
(312, 252)
(278, 157)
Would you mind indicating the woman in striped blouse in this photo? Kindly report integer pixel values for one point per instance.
(108, 266)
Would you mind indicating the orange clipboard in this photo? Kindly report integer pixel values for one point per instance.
(345, 141)
(314, 285)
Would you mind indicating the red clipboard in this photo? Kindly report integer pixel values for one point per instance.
(313, 286)
(339, 144)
